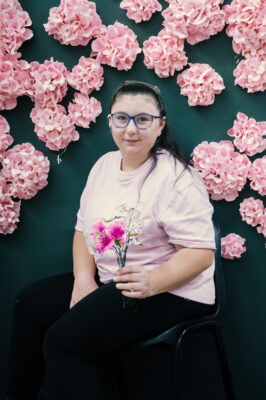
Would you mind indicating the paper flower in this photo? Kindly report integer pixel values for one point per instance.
(9, 209)
(248, 134)
(232, 246)
(257, 175)
(86, 76)
(27, 169)
(200, 82)
(54, 127)
(118, 47)
(5, 139)
(246, 25)
(74, 22)
(251, 210)
(251, 74)
(194, 20)
(84, 110)
(262, 224)
(165, 53)
(223, 170)
(140, 10)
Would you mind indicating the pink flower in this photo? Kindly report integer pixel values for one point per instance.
(223, 170)
(27, 169)
(84, 110)
(251, 74)
(118, 47)
(257, 175)
(104, 243)
(9, 209)
(251, 210)
(98, 228)
(200, 83)
(165, 53)
(86, 76)
(248, 134)
(54, 127)
(194, 20)
(232, 246)
(74, 22)
(117, 231)
(5, 139)
(140, 10)
(262, 221)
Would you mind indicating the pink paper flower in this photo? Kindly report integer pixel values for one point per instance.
(246, 19)
(5, 139)
(262, 224)
(251, 74)
(74, 22)
(9, 209)
(200, 83)
(140, 10)
(165, 53)
(54, 127)
(118, 47)
(194, 20)
(27, 169)
(84, 110)
(223, 170)
(248, 134)
(86, 76)
(251, 210)
(257, 175)
(232, 246)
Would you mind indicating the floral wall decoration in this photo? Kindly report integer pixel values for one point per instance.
(140, 10)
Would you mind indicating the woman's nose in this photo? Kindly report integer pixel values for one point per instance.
(131, 128)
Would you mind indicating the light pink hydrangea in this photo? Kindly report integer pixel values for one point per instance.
(5, 139)
(223, 170)
(251, 74)
(13, 31)
(10, 4)
(232, 246)
(86, 76)
(27, 169)
(47, 84)
(54, 127)
(248, 134)
(84, 110)
(246, 19)
(257, 175)
(200, 82)
(118, 47)
(9, 209)
(251, 210)
(74, 22)
(194, 20)
(140, 10)
(262, 224)
(165, 53)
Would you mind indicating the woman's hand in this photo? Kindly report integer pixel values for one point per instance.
(84, 284)
(135, 282)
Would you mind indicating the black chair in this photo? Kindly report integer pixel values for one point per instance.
(173, 337)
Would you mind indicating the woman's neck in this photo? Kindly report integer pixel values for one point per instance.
(128, 165)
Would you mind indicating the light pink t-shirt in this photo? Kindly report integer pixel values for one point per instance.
(174, 209)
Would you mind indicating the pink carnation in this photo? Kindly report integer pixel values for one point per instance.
(246, 19)
(257, 175)
(248, 134)
(84, 110)
(200, 83)
(251, 210)
(251, 74)
(5, 139)
(140, 10)
(165, 53)
(118, 47)
(54, 127)
(194, 20)
(262, 224)
(86, 76)
(232, 246)
(224, 171)
(74, 22)
(27, 169)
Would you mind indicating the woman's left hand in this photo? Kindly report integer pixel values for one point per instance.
(135, 282)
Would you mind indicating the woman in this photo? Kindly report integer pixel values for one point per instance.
(66, 329)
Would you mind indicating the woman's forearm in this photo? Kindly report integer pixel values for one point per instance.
(83, 261)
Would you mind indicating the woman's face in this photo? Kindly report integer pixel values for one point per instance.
(134, 142)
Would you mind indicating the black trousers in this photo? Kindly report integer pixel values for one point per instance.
(60, 353)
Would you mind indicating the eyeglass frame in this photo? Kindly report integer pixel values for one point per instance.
(133, 118)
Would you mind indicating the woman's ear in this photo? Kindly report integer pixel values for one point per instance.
(109, 120)
(162, 124)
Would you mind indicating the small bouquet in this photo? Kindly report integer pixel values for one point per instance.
(117, 234)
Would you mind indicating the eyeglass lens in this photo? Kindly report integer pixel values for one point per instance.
(142, 120)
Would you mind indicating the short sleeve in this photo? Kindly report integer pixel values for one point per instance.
(81, 211)
(187, 216)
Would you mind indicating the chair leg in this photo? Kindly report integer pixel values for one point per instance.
(224, 364)
(177, 371)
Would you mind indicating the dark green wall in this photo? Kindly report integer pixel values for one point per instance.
(42, 244)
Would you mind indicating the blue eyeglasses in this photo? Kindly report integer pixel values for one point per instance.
(141, 121)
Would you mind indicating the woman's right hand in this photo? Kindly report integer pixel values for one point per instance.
(84, 284)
